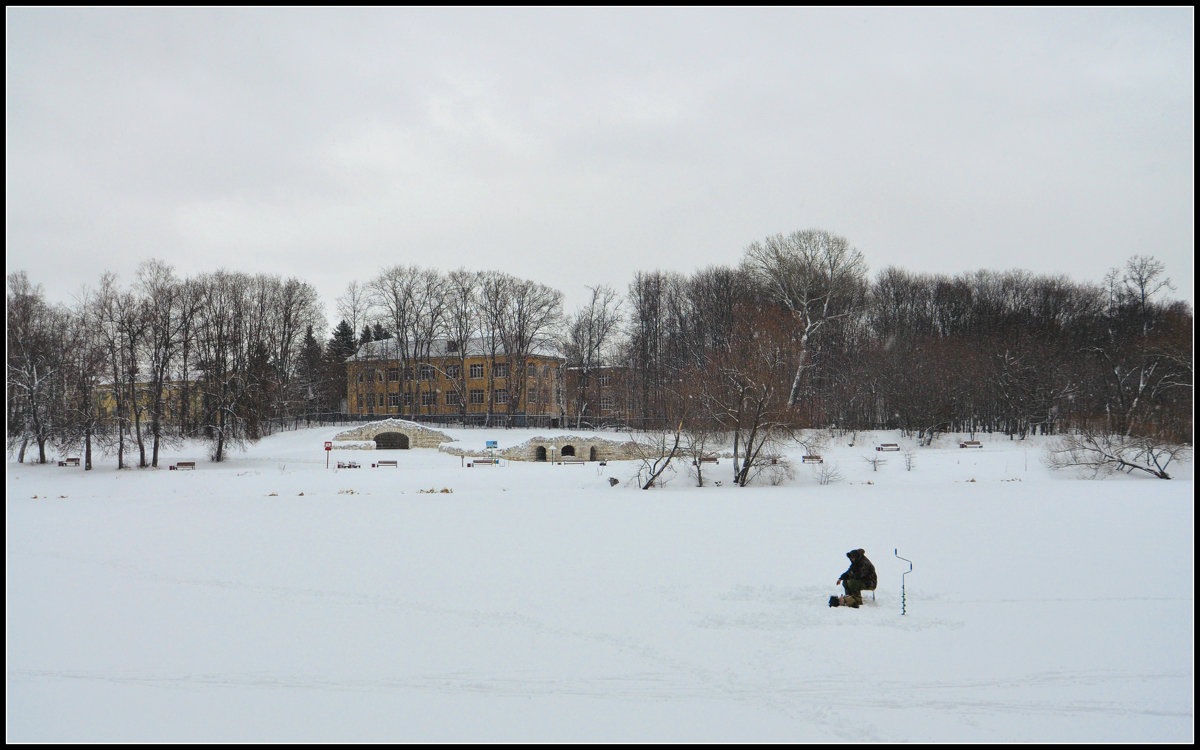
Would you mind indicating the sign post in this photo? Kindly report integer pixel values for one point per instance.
(328, 447)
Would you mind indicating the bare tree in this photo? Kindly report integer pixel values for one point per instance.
(700, 437)
(1141, 363)
(121, 322)
(815, 276)
(411, 302)
(463, 325)
(743, 388)
(222, 347)
(165, 309)
(1105, 453)
(589, 337)
(656, 450)
(296, 309)
(34, 365)
(84, 364)
(526, 321)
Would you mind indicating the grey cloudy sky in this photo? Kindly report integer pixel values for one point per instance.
(577, 146)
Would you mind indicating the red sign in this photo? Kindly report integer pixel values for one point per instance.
(328, 446)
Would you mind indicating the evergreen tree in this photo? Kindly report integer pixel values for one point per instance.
(341, 346)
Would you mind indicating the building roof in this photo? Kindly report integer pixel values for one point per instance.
(441, 347)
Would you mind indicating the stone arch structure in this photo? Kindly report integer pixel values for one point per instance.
(593, 448)
(391, 441)
(395, 433)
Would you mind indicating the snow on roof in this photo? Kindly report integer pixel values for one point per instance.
(442, 347)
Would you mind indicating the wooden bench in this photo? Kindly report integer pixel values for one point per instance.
(69, 462)
(970, 444)
(349, 465)
(190, 465)
(571, 460)
(887, 447)
(811, 460)
(385, 463)
(483, 462)
(706, 460)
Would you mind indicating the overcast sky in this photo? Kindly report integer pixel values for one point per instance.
(576, 147)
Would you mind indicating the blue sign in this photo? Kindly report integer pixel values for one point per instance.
(491, 444)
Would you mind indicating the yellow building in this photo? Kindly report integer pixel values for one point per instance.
(465, 381)
(174, 393)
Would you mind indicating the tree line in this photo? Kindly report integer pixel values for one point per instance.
(797, 336)
(794, 335)
(133, 368)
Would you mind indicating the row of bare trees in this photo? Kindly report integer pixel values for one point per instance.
(133, 367)
(795, 335)
(426, 318)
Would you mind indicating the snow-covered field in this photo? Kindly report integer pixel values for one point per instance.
(271, 599)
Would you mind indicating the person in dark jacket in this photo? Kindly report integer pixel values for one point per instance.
(859, 577)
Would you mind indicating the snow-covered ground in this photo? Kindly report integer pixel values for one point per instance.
(271, 599)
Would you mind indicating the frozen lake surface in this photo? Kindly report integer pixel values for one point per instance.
(271, 599)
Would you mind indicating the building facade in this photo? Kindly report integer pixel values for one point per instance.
(452, 380)
(599, 397)
(180, 398)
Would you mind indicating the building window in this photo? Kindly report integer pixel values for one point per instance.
(393, 399)
(501, 396)
(604, 380)
(453, 372)
(428, 398)
(531, 370)
(500, 370)
(476, 395)
(408, 399)
(477, 371)
(393, 374)
(606, 403)
(452, 398)
(426, 372)
(533, 396)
